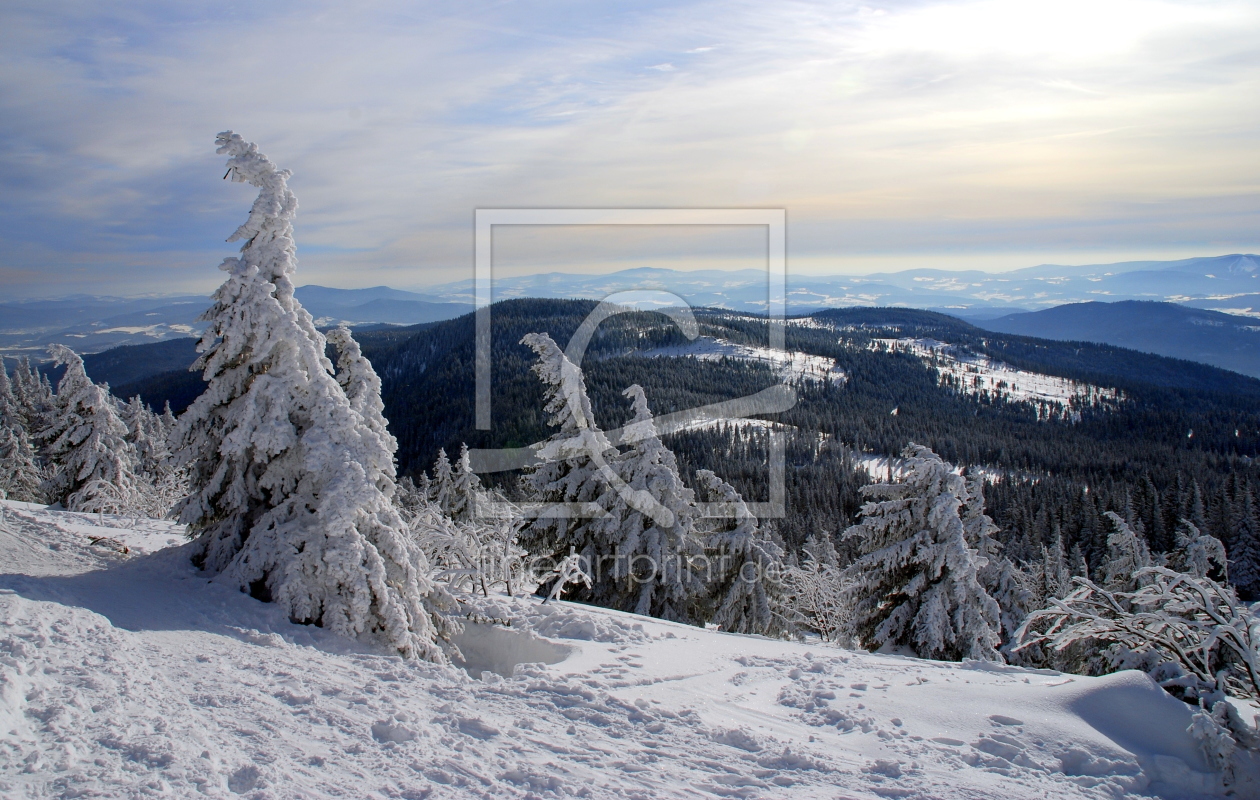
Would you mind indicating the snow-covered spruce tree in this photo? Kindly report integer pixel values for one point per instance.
(746, 581)
(20, 474)
(1056, 579)
(91, 460)
(462, 503)
(147, 434)
(287, 499)
(1244, 551)
(999, 576)
(363, 389)
(440, 487)
(32, 399)
(915, 583)
(645, 547)
(159, 484)
(572, 469)
(1127, 555)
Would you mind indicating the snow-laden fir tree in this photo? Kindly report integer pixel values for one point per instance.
(643, 549)
(998, 575)
(91, 460)
(1244, 550)
(915, 583)
(1127, 554)
(363, 389)
(573, 471)
(746, 592)
(20, 474)
(441, 486)
(462, 499)
(33, 399)
(289, 484)
(147, 434)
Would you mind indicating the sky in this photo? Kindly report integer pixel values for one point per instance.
(981, 134)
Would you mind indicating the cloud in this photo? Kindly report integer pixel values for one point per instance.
(973, 127)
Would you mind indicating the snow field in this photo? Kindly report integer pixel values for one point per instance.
(130, 675)
(975, 374)
(792, 366)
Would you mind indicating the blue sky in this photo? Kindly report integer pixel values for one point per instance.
(987, 134)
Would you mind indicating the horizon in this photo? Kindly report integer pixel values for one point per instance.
(421, 289)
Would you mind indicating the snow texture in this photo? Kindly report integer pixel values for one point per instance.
(128, 676)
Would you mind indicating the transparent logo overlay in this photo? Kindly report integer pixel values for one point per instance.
(774, 399)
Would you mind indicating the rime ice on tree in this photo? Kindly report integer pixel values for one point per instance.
(570, 464)
(290, 484)
(916, 584)
(747, 583)
(647, 542)
(87, 441)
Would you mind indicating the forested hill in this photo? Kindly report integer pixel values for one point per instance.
(1155, 429)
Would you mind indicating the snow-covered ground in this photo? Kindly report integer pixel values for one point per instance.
(130, 675)
(792, 366)
(976, 374)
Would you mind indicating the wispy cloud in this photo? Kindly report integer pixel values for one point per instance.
(953, 130)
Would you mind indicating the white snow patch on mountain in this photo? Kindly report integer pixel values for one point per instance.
(130, 675)
(980, 375)
(792, 366)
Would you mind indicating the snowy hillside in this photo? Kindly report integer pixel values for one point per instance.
(979, 375)
(792, 366)
(128, 675)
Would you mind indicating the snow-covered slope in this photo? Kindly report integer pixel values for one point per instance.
(979, 375)
(129, 675)
(792, 366)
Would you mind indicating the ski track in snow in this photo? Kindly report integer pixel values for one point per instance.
(131, 675)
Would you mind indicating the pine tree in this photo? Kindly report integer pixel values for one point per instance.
(1055, 573)
(746, 587)
(442, 487)
(290, 485)
(649, 533)
(1244, 555)
(20, 475)
(464, 487)
(1127, 554)
(571, 482)
(31, 397)
(915, 583)
(146, 434)
(1078, 567)
(999, 577)
(363, 389)
(91, 458)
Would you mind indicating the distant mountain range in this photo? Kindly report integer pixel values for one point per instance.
(1166, 329)
(96, 324)
(1227, 283)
